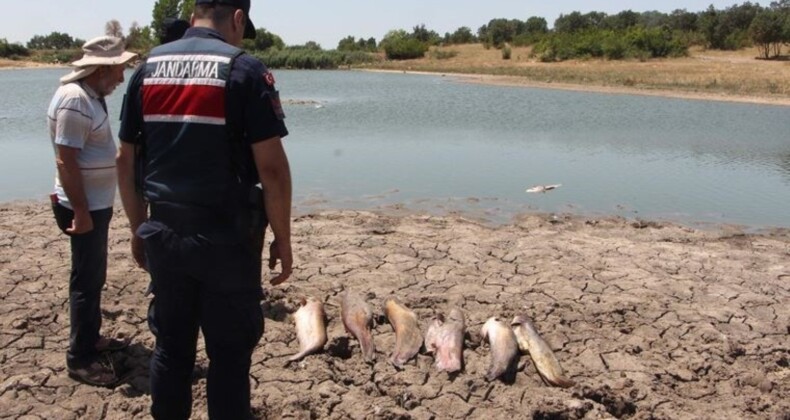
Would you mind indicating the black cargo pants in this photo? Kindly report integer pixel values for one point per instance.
(204, 276)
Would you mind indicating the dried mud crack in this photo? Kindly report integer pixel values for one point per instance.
(653, 321)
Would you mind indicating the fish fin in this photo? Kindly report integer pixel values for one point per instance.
(560, 381)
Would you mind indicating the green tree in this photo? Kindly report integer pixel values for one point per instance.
(265, 40)
(425, 36)
(139, 39)
(621, 21)
(728, 29)
(767, 32)
(164, 9)
(54, 41)
(462, 35)
(501, 31)
(681, 20)
(536, 25)
(482, 33)
(534, 29)
(12, 50)
(399, 45)
(187, 7)
(350, 44)
(573, 22)
(367, 44)
(653, 19)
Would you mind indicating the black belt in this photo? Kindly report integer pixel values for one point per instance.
(191, 218)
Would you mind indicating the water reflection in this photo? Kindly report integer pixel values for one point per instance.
(430, 142)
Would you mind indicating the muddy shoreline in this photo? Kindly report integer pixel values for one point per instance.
(652, 320)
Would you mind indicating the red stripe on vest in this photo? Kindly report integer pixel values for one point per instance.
(198, 100)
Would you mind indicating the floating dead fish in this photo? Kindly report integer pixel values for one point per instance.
(445, 339)
(543, 188)
(358, 320)
(310, 328)
(545, 361)
(408, 338)
(301, 102)
(504, 349)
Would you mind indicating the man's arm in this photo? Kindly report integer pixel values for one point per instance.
(275, 175)
(133, 203)
(71, 181)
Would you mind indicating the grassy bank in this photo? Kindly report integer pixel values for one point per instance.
(729, 73)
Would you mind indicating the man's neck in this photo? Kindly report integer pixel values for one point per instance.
(93, 84)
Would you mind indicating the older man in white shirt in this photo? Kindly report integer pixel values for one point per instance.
(84, 194)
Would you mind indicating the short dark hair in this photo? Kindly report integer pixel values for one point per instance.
(217, 13)
(172, 29)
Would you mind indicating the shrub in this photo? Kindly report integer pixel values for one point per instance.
(438, 54)
(634, 42)
(12, 50)
(306, 59)
(405, 49)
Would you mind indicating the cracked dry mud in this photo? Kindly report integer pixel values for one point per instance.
(650, 320)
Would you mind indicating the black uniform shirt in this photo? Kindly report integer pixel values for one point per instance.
(253, 102)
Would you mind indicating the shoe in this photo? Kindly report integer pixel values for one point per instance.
(99, 373)
(111, 344)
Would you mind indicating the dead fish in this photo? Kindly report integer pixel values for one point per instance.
(408, 338)
(504, 350)
(445, 338)
(545, 361)
(543, 188)
(358, 321)
(310, 328)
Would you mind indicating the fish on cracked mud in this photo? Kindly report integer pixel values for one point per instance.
(445, 339)
(358, 320)
(408, 338)
(504, 350)
(545, 361)
(310, 328)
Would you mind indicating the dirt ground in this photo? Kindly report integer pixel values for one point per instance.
(653, 321)
(705, 74)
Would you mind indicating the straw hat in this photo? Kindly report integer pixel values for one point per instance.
(101, 51)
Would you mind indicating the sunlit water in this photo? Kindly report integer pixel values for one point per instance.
(366, 140)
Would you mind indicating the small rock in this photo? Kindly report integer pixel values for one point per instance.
(19, 324)
(766, 386)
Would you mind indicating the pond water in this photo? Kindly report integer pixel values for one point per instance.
(366, 140)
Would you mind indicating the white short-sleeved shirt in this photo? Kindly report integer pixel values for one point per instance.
(77, 119)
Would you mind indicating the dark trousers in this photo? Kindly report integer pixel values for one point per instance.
(209, 281)
(88, 274)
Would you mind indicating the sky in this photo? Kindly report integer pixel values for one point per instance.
(322, 21)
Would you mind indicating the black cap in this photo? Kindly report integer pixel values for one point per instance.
(244, 5)
(172, 29)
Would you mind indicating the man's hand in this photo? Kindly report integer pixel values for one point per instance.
(138, 252)
(281, 250)
(82, 223)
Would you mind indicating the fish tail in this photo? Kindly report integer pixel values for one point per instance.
(367, 346)
(562, 382)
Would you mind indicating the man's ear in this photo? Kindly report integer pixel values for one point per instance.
(240, 19)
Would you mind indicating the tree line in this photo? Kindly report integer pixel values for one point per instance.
(627, 34)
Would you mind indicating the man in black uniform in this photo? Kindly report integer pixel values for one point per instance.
(202, 124)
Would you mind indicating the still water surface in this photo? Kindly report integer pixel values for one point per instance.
(434, 144)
